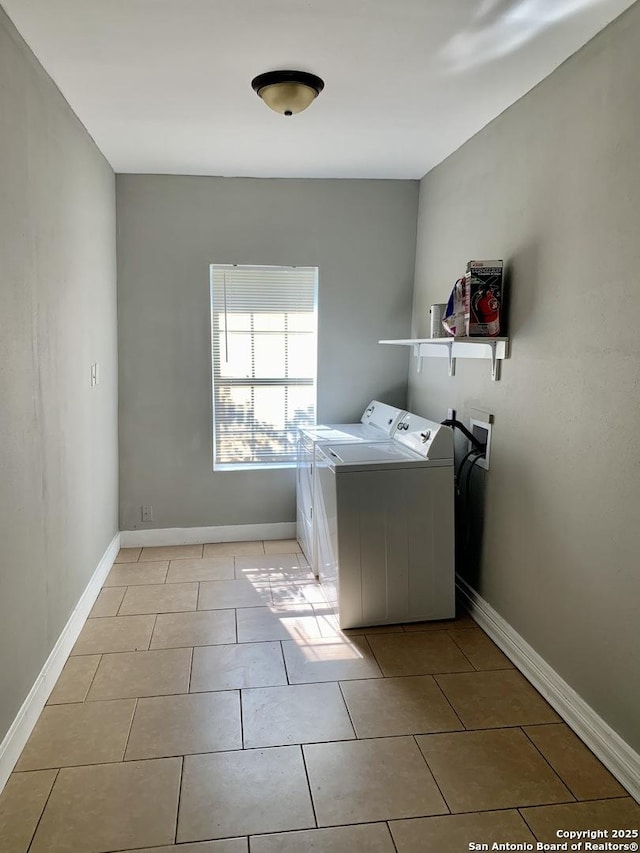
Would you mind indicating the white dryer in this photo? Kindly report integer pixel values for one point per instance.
(377, 423)
(385, 526)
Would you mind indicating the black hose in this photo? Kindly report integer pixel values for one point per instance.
(461, 466)
(455, 424)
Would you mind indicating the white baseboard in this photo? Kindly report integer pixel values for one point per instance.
(18, 734)
(202, 535)
(602, 740)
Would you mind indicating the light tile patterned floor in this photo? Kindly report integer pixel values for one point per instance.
(212, 705)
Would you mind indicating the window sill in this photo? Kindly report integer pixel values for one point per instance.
(252, 466)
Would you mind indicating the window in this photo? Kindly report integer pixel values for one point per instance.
(263, 342)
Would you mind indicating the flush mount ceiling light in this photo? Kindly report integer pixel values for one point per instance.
(287, 92)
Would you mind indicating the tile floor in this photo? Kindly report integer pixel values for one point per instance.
(211, 705)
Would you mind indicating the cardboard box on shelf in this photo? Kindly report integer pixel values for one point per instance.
(483, 299)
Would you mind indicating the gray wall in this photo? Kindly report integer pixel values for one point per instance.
(553, 186)
(361, 234)
(58, 436)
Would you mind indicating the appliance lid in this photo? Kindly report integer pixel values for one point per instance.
(329, 433)
(371, 456)
(344, 432)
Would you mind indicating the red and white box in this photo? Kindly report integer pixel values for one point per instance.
(483, 299)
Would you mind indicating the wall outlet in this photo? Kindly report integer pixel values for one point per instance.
(95, 376)
(147, 513)
(451, 414)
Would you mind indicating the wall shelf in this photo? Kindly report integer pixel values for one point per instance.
(493, 349)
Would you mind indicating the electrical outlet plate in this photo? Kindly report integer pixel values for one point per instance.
(147, 513)
(481, 426)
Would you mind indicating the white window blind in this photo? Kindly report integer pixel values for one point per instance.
(263, 335)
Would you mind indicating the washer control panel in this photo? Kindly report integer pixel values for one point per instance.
(427, 438)
(382, 416)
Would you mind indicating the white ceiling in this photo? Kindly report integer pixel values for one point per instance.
(163, 86)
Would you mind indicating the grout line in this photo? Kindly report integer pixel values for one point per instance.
(126, 589)
(481, 729)
(437, 683)
(553, 769)
(625, 796)
(46, 803)
(144, 651)
(346, 704)
(141, 759)
(93, 678)
(198, 598)
(373, 653)
(432, 774)
(175, 834)
(351, 825)
(186, 645)
(240, 694)
(155, 622)
(162, 696)
(476, 810)
(126, 745)
(306, 773)
(457, 645)
(393, 841)
(526, 823)
(160, 612)
(284, 661)
(190, 668)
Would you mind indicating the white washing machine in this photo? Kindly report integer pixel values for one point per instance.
(385, 526)
(377, 423)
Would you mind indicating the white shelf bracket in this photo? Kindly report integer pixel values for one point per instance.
(416, 352)
(452, 361)
(495, 364)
